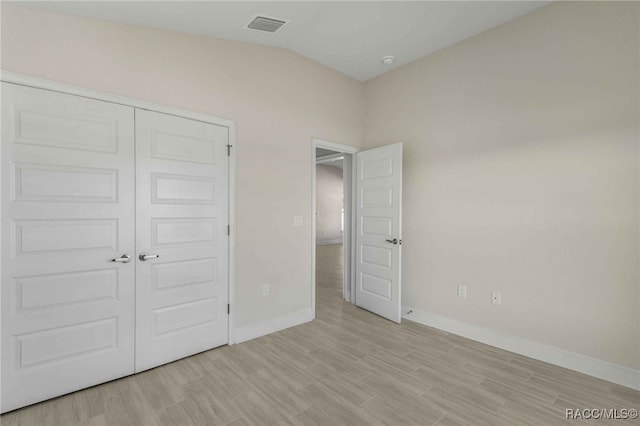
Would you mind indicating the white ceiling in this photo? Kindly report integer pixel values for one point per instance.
(350, 37)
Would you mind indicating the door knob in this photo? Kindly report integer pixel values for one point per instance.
(394, 241)
(125, 258)
(146, 256)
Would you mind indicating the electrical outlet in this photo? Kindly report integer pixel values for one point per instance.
(266, 288)
(496, 297)
(462, 291)
(297, 221)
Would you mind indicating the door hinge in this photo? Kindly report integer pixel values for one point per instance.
(229, 150)
(228, 229)
(228, 309)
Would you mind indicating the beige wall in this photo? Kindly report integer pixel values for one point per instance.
(329, 193)
(279, 100)
(521, 175)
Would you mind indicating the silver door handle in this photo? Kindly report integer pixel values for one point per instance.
(125, 258)
(145, 256)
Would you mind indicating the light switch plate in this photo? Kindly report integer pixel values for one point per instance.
(297, 221)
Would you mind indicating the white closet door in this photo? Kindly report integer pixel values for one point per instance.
(379, 230)
(67, 210)
(182, 217)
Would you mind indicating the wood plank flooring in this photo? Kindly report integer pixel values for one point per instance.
(348, 367)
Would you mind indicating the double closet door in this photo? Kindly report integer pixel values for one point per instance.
(114, 241)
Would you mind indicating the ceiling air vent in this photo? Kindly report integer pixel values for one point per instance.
(267, 24)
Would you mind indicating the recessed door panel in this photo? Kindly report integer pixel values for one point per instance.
(56, 235)
(376, 168)
(184, 316)
(376, 226)
(183, 145)
(177, 189)
(53, 291)
(169, 275)
(40, 182)
(90, 128)
(67, 210)
(179, 231)
(377, 256)
(376, 286)
(61, 344)
(377, 198)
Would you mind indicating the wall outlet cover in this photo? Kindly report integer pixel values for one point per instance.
(462, 291)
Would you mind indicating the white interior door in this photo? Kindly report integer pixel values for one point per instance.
(182, 217)
(379, 230)
(67, 210)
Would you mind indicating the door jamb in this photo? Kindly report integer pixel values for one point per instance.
(349, 256)
(54, 86)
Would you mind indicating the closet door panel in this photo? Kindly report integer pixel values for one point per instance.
(182, 217)
(67, 176)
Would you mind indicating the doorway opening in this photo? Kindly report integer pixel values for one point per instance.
(332, 222)
(369, 260)
(330, 229)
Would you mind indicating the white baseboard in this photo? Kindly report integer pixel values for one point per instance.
(253, 331)
(604, 370)
(326, 242)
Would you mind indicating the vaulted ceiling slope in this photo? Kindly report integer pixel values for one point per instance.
(349, 36)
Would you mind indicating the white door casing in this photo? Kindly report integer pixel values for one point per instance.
(181, 216)
(379, 230)
(67, 210)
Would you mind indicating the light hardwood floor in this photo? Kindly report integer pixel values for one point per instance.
(348, 367)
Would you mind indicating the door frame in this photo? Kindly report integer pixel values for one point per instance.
(54, 86)
(348, 288)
